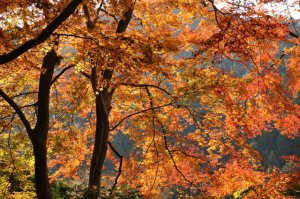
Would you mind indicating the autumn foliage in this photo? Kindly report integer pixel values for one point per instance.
(168, 92)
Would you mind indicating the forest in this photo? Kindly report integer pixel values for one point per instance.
(149, 99)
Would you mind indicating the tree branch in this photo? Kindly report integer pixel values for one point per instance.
(89, 22)
(21, 94)
(144, 86)
(61, 73)
(119, 170)
(85, 74)
(28, 105)
(85, 37)
(123, 23)
(171, 156)
(293, 34)
(216, 13)
(136, 113)
(122, 26)
(17, 109)
(153, 139)
(111, 15)
(166, 142)
(9, 123)
(5, 58)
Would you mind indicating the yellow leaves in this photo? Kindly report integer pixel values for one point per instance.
(81, 65)
(235, 176)
(123, 46)
(46, 48)
(173, 20)
(22, 195)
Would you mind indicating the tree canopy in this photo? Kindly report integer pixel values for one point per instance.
(146, 98)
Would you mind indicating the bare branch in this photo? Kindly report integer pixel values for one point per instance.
(216, 14)
(9, 123)
(187, 155)
(10, 149)
(100, 7)
(154, 181)
(153, 139)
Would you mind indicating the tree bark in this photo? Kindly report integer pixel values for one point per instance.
(103, 107)
(38, 138)
(103, 102)
(41, 170)
(39, 135)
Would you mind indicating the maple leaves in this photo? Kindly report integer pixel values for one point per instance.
(43, 35)
(250, 184)
(293, 70)
(188, 83)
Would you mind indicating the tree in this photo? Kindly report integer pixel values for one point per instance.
(158, 72)
(103, 106)
(38, 135)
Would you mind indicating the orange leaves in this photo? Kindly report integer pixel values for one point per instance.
(190, 85)
(234, 176)
(67, 153)
(238, 176)
(293, 69)
(293, 159)
(289, 124)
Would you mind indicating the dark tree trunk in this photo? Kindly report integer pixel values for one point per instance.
(103, 102)
(41, 171)
(39, 135)
(103, 107)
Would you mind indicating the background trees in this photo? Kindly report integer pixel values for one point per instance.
(187, 84)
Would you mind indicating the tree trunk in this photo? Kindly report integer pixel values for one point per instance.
(39, 135)
(103, 107)
(41, 170)
(103, 104)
